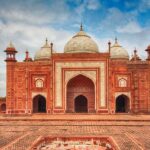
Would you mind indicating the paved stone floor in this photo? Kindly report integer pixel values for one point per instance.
(127, 132)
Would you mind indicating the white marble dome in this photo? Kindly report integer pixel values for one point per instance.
(81, 43)
(118, 52)
(44, 53)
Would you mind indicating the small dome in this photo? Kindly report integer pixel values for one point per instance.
(81, 43)
(118, 52)
(44, 53)
(10, 47)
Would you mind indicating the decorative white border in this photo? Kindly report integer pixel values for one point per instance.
(58, 78)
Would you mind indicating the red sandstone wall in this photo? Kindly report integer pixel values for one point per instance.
(140, 86)
(21, 85)
(118, 69)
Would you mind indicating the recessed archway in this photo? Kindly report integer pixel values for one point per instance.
(77, 86)
(122, 104)
(81, 104)
(39, 104)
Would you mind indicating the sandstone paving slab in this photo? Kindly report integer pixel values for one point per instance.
(20, 135)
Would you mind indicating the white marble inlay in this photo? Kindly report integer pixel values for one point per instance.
(89, 64)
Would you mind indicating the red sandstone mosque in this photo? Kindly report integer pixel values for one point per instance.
(80, 80)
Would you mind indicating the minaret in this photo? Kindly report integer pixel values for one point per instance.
(10, 53)
(148, 52)
(10, 70)
(27, 58)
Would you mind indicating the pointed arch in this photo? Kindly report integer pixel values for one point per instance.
(39, 104)
(80, 85)
(91, 77)
(122, 104)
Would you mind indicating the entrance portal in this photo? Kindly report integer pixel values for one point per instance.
(39, 104)
(77, 87)
(81, 104)
(122, 104)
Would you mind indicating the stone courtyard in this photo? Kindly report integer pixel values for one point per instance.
(127, 132)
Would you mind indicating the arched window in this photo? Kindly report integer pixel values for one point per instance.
(122, 83)
(39, 83)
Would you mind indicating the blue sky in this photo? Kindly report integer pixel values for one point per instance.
(28, 22)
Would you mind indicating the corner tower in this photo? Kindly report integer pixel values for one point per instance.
(10, 67)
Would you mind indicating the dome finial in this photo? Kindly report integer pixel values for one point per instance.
(116, 40)
(135, 56)
(46, 41)
(135, 51)
(27, 54)
(81, 27)
(51, 47)
(11, 44)
(109, 46)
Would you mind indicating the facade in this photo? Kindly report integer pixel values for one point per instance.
(80, 80)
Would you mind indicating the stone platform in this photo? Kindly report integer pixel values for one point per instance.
(128, 132)
(75, 117)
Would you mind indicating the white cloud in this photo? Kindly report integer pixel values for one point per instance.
(131, 27)
(34, 12)
(114, 18)
(32, 37)
(144, 5)
(87, 4)
(93, 4)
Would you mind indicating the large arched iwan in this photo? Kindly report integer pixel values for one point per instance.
(39, 104)
(80, 85)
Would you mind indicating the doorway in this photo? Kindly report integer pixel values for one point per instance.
(122, 104)
(81, 105)
(39, 104)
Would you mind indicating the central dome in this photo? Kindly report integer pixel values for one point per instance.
(81, 43)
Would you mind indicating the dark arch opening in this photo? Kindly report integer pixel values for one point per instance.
(81, 104)
(122, 104)
(3, 107)
(39, 104)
